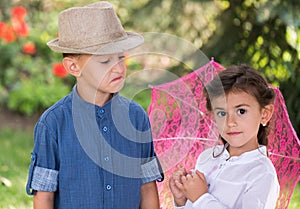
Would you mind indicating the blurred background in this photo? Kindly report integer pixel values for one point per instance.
(262, 33)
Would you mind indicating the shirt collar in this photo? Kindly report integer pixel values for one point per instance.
(83, 103)
(247, 156)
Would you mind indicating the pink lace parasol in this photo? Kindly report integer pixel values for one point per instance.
(182, 129)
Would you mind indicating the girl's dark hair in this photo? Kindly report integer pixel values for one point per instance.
(238, 78)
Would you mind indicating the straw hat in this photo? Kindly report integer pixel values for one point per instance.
(93, 29)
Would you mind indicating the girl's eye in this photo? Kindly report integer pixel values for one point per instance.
(221, 114)
(241, 111)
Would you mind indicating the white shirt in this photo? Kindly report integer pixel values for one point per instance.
(248, 181)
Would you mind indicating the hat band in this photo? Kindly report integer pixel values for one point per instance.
(105, 39)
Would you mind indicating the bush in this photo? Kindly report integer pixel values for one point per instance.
(33, 95)
(27, 83)
(31, 76)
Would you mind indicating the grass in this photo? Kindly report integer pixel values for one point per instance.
(295, 201)
(15, 148)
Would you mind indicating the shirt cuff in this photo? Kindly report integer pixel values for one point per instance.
(151, 171)
(44, 179)
(177, 207)
(202, 199)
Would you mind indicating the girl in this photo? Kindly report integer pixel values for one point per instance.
(237, 174)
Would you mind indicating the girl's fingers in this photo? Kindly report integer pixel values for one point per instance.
(179, 185)
(201, 175)
(189, 176)
(183, 179)
(179, 173)
(182, 172)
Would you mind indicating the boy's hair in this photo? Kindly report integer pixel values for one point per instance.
(70, 55)
(246, 79)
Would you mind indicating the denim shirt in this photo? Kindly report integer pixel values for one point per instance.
(91, 156)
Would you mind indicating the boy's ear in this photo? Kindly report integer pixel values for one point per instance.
(70, 64)
(267, 113)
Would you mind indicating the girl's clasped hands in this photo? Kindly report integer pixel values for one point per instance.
(187, 185)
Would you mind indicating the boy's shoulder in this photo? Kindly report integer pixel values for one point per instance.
(58, 107)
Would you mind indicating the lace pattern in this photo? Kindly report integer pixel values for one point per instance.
(182, 128)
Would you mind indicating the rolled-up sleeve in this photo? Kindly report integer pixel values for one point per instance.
(43, 170)
(44, 179)
(152, 171)
(150, 167)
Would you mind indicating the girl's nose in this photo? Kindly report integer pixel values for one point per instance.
(231, 122)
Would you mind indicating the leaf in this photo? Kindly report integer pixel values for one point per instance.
(5, 182)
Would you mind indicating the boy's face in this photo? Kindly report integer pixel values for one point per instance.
(102, 73)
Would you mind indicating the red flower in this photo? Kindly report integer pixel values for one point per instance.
(3, 27)
(29, 48)
(7, 33)
(20, 27)
(59, 70)
(19, 12)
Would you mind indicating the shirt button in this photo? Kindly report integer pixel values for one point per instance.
(32, 156)
(105, 129)
(106, 158)
(108, 187)
(102, 111)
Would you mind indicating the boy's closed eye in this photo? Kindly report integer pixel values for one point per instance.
(108, 59)
(122, 57)
(105, 61)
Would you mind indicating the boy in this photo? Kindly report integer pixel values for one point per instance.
(93, 148)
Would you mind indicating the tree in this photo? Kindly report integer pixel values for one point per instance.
(264, 34)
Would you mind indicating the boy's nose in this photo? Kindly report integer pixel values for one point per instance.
(119, 66)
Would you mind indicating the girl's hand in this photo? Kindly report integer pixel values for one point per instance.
(193, 185)
(178, 195)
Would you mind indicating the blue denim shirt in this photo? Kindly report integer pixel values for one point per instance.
(91, 156)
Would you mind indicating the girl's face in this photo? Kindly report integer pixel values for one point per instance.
(104, 74)
(238, 116)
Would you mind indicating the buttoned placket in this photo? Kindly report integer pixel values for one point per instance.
(106, 155)
(219, 169)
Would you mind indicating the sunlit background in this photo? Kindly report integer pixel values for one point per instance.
(262, 33)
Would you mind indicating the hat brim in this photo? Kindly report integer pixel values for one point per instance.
(132, 41)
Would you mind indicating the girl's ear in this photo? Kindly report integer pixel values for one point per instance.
(267, 113)
(70, 64)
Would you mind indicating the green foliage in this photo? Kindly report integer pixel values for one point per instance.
(263, 33)
(32, 95)
(295, 200)
(143, 97)
(27, 83)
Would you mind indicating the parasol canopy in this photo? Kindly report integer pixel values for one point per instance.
(182, 128)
